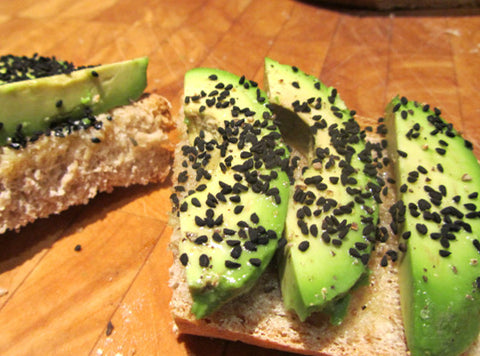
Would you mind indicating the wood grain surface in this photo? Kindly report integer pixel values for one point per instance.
(111, 298)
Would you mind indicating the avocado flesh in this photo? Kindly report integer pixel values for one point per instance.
(236, 114)
(439, 295)
(33, 103)
(317, 278)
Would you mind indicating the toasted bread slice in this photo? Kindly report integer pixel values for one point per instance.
(373, 325)
(131, 146)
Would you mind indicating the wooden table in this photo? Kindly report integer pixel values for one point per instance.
(55, 300)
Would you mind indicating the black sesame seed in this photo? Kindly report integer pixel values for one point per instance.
(201, 240)
(199, 221)
(300, 213)
(444, 242)
(365, 258)
(303, 246)
(444, 253)
(256, 262)
(227, 231)
(242, 223)
(422, 169)
(221, 197)
(217, 237)
(203, 260)
(236, 252)
(196, 202)
(421, 228)
(233, 242)
(337, 242)
(361, 245)
(303, 227)
(476, 243)
(94, 74)
(184, 259)
(402, 153)
(333, 180)
(326, 237)
(470, 206)
(440, 151)
(95, 140)
(232, 265)
(235, 198)
(424, 205)
(354, 253)
(384, 261)
(385, 191)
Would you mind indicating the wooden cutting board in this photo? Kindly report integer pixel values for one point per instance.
(112, 296)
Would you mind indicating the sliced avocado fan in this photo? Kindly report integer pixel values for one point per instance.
(438, 215)
(32, 106)
(332, 213)
(233, 192)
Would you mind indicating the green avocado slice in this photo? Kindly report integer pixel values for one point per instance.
(232, 217)
(438, 180)
(332, 213)
(33, 105)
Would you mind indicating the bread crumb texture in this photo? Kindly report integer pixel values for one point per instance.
(53, 173)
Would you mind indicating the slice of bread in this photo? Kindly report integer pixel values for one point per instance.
(373, 325)
(131, 146)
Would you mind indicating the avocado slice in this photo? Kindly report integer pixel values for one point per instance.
(232, 216)
(34, 105)
(332, 214)
(438, 179)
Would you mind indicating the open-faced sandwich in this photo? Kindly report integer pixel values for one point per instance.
(67, 133)
(298, 230)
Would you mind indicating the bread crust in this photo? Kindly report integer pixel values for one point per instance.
(54, 173)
